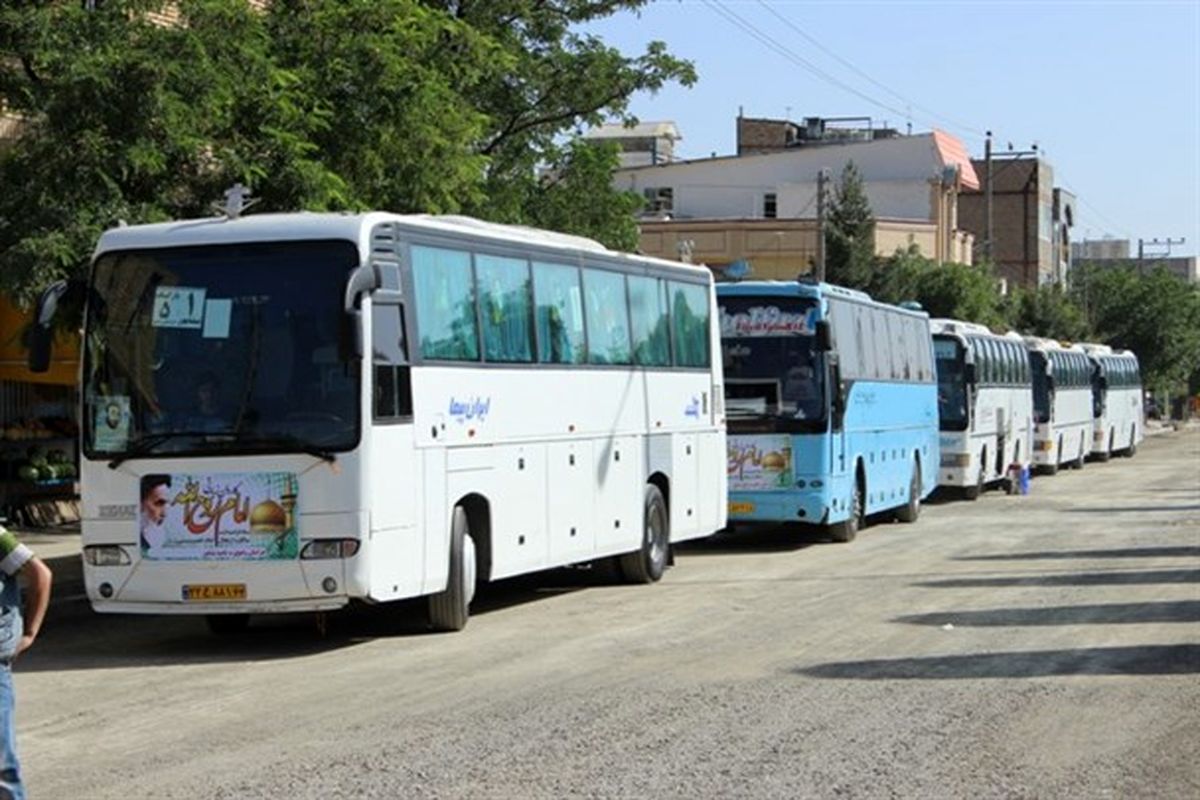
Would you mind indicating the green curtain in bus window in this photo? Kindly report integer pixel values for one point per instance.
(648, 319)
(607, 317)
(559, 313)
(689, 324)
(445, 304)
(505, 312)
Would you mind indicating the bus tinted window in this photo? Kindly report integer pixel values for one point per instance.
(649, 321)
(504, 307)
(689, 324)
(607, 317)
(445, 304)
(559, 314)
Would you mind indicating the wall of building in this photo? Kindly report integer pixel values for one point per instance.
(1022, 219)
(775, 249)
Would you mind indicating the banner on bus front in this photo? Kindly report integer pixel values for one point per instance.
(759, 462)
(239, 516)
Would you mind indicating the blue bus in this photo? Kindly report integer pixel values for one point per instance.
(831, 405)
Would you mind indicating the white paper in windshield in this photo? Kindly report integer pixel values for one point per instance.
(216, 318)
(178, 307)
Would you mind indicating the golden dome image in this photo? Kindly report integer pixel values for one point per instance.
(268, 517)
(774, 460)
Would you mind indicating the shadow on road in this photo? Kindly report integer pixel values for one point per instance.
(1133, 509)
(1108, 614)
(1073, 579)
(1183, 551)
(755, 539)
(1183, 659)
(75, 638)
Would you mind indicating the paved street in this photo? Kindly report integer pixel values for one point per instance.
(1038, 646)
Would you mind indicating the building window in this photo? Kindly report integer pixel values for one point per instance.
(659, 199)
(769, 210)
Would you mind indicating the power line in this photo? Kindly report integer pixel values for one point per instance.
(817, 44)
(786, 52)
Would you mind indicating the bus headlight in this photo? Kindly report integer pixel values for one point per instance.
(106, 555)
(330, 548)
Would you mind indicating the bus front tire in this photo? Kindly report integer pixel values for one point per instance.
(912, 509)
(973, 492)
(648, 562)
(227, 624)
(843, 532)
(450, 608)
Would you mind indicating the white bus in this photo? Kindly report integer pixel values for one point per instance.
(1118, 426)
(1062, 404)
(291, 412)
(985, 405)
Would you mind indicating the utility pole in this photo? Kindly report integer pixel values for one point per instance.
(821, 178)
(1158, 242)
(987, 198)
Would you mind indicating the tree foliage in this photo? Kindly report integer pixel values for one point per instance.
(1047, 311)
(1156, 315)
(407, 105)
(952, 291)
(850, 233)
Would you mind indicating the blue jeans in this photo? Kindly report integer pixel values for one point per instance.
(10, 771)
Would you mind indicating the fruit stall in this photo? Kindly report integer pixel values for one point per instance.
(39, 430)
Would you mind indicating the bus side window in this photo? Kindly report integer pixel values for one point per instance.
(559, 314)
(389, 354)
(689, 324)
(445, 304)
(607, 317)
(507, 319)
(649, 320)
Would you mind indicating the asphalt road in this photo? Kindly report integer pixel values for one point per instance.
(1037, 646)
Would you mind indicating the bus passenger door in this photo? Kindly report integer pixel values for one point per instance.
(395, 548)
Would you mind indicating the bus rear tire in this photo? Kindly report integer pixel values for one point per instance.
(843, 532)
(449, 609)
(1105, 455)
(648, 563)
(912, 509)
(1131, 451)
(227, 624)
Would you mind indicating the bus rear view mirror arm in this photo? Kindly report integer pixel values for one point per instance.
(41, 333)
(362, 280)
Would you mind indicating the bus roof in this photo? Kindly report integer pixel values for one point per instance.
(961, 328)
(304, 225)
(813, 291)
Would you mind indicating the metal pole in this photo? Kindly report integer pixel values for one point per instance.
(987, 198)
(821, 226)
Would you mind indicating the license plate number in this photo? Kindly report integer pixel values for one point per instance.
(201, 592)
(741, 508)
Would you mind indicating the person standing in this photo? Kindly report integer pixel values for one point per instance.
(19, 628)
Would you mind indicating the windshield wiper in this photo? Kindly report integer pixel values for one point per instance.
(144, 445)
(292, 442)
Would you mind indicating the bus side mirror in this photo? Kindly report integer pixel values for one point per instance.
(969, 372)
(41, 333)
(824, 336)
(362, 280)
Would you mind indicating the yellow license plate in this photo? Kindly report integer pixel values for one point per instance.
(741, 508)
(200, 592)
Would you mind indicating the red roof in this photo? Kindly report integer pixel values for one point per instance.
(952, 151)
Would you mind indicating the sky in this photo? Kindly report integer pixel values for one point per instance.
(1108, 91)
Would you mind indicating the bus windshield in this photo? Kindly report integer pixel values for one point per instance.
(773, 370)
(219, 350)
(952, 384)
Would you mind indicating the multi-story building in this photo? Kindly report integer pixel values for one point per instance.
(1031, 220)
(761, 207)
